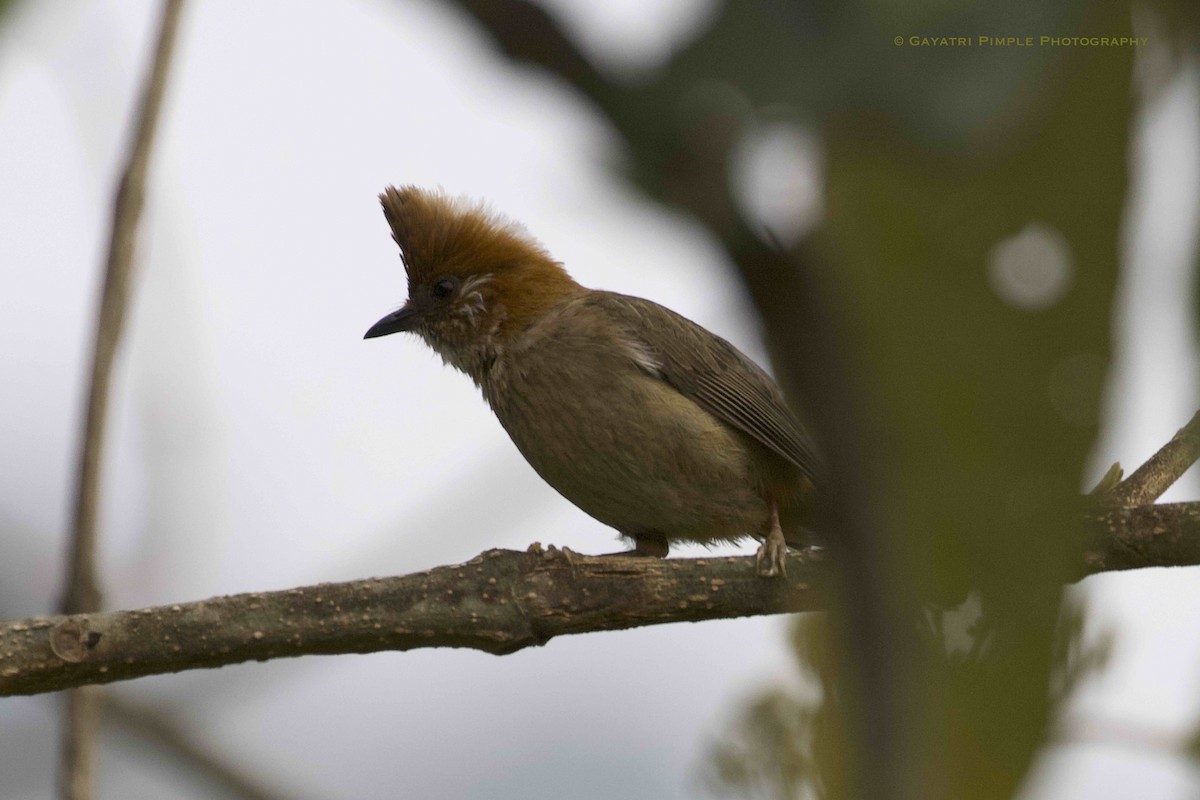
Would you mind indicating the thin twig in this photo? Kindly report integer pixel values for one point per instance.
(82, 592)
(1108, 481)
(162, 730)
(1161, 470)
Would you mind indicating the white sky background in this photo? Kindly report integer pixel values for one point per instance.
(258, 442)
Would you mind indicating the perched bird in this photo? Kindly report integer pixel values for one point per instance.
(638, 416)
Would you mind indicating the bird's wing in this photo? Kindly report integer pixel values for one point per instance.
(714, 374)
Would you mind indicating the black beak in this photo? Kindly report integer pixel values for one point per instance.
(405, 319)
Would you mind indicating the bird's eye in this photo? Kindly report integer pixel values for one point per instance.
(444, 287)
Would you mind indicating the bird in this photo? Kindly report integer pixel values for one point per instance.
(643, 419)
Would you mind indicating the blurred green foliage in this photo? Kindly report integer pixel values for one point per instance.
(982, 397)
(982, 403)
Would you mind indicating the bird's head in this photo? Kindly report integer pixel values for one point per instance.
(475, 280)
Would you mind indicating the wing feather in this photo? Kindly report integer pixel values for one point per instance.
(714, 374)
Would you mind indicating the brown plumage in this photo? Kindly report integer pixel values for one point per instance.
(642, 418)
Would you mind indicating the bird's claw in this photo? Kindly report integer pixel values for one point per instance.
(772, 558)
(772, 555)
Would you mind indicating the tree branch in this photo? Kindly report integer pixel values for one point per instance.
(1164, 535)
(499, 602)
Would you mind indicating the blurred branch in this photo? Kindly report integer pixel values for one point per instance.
(500, 602)
(526, 32)
(1161, 470)
(875, 598)
(82, 593)
(1127, 735)
(163, 731)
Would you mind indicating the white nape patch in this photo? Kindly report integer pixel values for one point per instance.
(642, 356)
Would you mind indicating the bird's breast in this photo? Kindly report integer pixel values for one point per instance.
(598, 425)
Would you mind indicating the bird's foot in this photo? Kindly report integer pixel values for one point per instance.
(772, 555)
